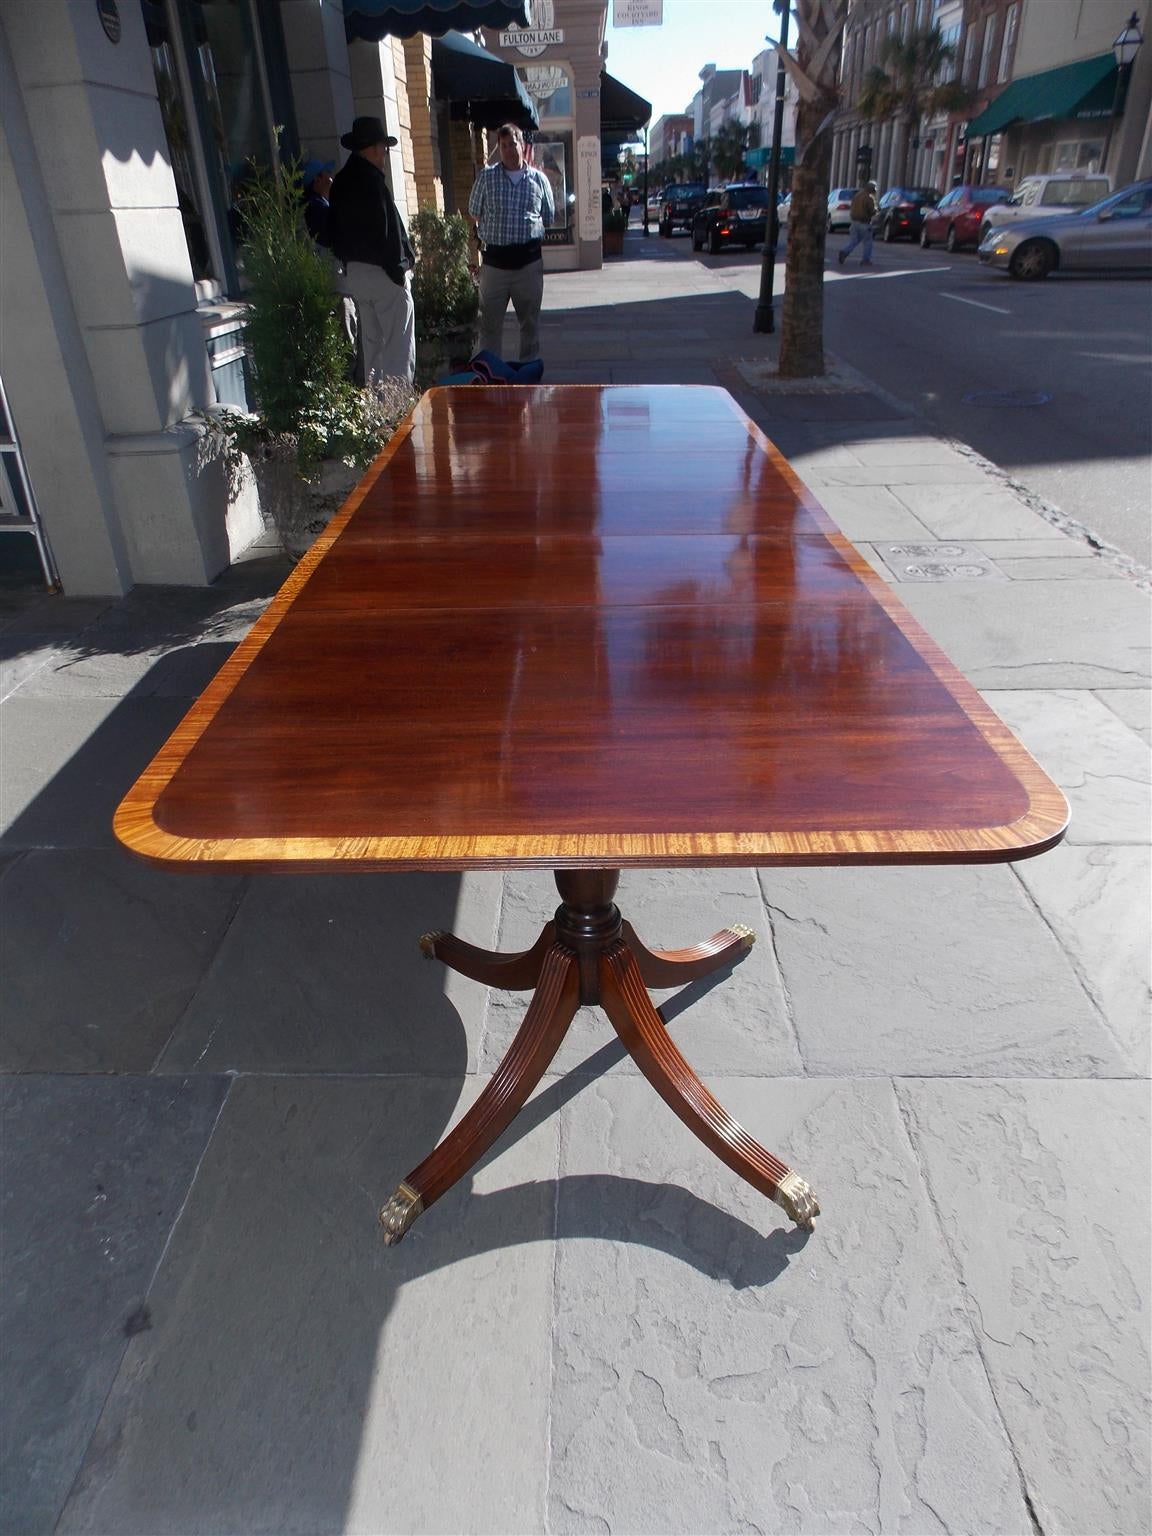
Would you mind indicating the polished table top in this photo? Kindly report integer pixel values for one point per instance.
(581, 625)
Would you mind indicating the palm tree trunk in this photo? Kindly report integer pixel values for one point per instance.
(816, 65)
(802, 331)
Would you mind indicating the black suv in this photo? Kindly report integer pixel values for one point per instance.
(736, 216)
(680, 203)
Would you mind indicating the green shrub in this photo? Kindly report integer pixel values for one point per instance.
(443, 288)
(299, 354)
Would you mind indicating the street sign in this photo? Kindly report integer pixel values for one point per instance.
(637, 13)
(531, 41)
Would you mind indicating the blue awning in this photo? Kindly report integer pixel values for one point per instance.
(482, 88)
(374, 19)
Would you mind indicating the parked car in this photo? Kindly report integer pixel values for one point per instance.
(957, 217)
(900, 211)
(1113, 235)
(1041, 197)
(680, 203)
(736, 216)
(839, 202)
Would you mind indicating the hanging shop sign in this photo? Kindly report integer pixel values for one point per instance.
(637, 13)
(588, 185)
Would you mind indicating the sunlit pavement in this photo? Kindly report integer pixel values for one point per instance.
(214, 1082)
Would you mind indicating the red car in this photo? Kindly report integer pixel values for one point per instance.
(955, 220)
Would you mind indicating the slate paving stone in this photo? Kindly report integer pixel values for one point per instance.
(930, 971)
(715, 1369)
(734, 1021)
(971, 511)
(1133, 705)
(1103, 767)
(1042, 1191)
(182, 672)
(95, 1172)
(99, 955)
(1037, 634)
(1061, 568)
(1056, 545)
(298, 1376)
(870, 513)
(69, 762)
(21, 657)
(1099, 903)
(323, 973)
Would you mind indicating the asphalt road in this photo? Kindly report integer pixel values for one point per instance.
(935, 330)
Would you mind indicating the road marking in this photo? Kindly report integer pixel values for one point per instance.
(976, 304)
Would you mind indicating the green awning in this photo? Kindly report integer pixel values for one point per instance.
(1083, 89)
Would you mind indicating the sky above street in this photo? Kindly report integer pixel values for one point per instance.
(663, 63)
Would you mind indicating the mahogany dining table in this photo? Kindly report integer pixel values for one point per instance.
(586, 628)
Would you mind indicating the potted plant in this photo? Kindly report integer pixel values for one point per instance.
(614, 223)
(313, 431)
(444, 294)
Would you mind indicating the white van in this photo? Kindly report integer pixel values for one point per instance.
(1038, 196)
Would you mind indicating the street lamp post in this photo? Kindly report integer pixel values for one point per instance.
(1124, 49)
(763, 322)
(647, 157)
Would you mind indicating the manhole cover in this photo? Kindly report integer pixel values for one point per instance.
(1009, 399)
(936, 571)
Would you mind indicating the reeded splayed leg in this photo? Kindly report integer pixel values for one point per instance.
(677, 967)
(544, 1026)
(511, 972)
(625, 1000)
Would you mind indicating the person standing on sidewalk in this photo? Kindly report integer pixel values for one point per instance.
(861, 214)
(511, 206)
(368, 238)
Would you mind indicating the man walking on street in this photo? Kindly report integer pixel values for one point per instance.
(368, 237)
(511, 206)
(861, 213)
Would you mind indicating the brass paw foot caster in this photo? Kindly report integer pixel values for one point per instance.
(795, 1196)
(742, 931)
(428, 943)
(399, 1213)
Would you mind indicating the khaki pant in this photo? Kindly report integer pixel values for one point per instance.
(386, 322)
(525, 287)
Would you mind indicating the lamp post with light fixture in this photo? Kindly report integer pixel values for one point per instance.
(1124, 49)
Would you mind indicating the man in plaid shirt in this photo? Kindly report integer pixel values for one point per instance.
(511, 206)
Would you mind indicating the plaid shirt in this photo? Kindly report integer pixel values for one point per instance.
(510, 213)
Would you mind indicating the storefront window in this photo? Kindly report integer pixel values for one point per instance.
(209, 58)
(550, 87)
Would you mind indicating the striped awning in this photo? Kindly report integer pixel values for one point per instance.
(374, 19)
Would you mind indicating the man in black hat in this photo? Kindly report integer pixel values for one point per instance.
(368, 238)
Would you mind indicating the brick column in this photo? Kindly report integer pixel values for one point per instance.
(424, 134)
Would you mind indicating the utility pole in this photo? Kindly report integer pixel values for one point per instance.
(764, 321)
(646, 159)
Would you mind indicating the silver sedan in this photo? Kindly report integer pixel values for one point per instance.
(1114, 235)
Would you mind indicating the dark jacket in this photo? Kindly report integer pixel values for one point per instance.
(363, 224)
(316, 218)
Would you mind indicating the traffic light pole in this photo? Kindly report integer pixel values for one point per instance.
(764, 321)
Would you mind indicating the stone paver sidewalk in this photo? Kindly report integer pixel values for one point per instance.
(602, 1330)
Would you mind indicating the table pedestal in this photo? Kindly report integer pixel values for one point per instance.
(589, 954)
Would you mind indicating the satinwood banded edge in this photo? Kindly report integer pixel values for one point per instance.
(1040, 828)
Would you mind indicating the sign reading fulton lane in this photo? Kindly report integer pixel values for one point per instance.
(531, 40)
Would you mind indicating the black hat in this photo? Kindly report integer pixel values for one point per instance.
(365, 131)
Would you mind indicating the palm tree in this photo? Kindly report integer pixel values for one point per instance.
(906, 85)
(728, 149)
(815, 67)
